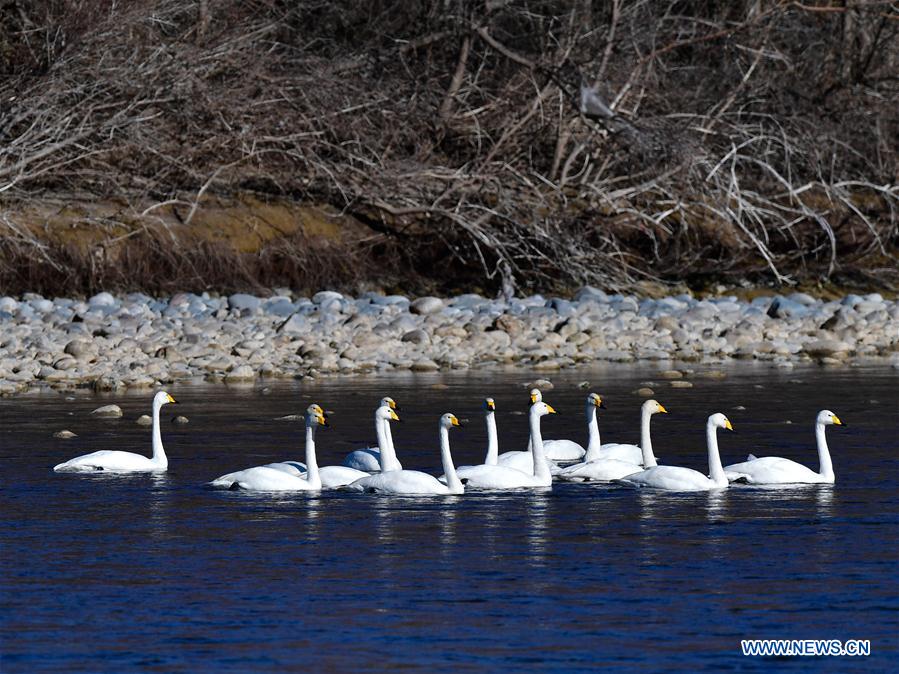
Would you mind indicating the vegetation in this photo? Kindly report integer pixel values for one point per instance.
(494, 145)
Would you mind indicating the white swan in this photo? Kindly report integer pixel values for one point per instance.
(676, 478)
(369, 459)
(524, 460)
(776, 470)
(268, 478)
(125, 462)
(487, 476)
(596, 466)
(636, 454)
(414, 482)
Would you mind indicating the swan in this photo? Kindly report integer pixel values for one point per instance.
(125, 462)
(369, 459)
(676, 478)
(640, 455)
(524, 460)
(776, 470)
(595, 465)
(486, 476)
(492, 442)
(267, 478)
(414, 482)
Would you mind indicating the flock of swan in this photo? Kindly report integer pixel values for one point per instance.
(378, 470)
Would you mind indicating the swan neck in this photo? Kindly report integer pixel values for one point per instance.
(159, 456)
(593, 442)
(826, 467)
(386, 455)
(312, 475)
(449, 470)
(716, 470)
(492, 444)
(649, 459)
(541, 468)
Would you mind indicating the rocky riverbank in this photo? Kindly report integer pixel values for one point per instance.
(111, 342)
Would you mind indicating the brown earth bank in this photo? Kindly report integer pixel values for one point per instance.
(167, 145)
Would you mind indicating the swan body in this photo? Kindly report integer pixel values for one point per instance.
(296, 468)
(777, 470)
(524, 460)
(283, 476)
(116, 461)
(491, 476)
(676, 478)
(414, 482)
(331, 476)
(636, 454)
(369, 459)
(599, 465)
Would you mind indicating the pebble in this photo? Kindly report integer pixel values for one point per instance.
(64, 435)
(110, 342)
(679, 383)
(109, 411)
(644, 391)
(180, 420)
(144, 420)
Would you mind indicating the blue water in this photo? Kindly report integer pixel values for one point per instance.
(160, 573)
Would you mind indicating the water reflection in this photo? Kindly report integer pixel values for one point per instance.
(537, 514)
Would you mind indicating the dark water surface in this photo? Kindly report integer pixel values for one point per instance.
(160, 573)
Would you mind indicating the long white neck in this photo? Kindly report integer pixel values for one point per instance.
(312, 476)
(453, 483)
(593, 444)
(387, 457)
(492, 457)
(716, 470)
(541, 468)
(159, 456)
(826, 468)
(649, 459)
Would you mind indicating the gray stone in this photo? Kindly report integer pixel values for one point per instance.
(426, 305)
(64, 435)
(108, 411)
(243, 302)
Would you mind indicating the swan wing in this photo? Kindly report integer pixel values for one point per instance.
(262, 478)
(774, 470)
(339, 476)
(600, 470)
(296, 468)
(368, 459)
(410, 482)
(109, 460)
(524, 462)
(670, 478)
(495, 477)
(622, 452)
(563, 450)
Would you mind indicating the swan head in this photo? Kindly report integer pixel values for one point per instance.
(595, 400)
(541, 409)
(387, 401)
(655, 407)
(720, 421)
(489, 405)
(163, 398)
(827, 418)
(386, 413)
(315, 415)
(449, 420)
(536, 396)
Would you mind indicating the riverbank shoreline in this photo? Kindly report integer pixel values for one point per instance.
(111, 343)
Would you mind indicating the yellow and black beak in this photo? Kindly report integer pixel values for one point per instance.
(662, 408)
(533, 398)
(454, 421)
(391, 403)
(599, 402)
(393, 416)
(491, 405)
(837, 421)
(728, 425)
(549, 408)
(322, 420)
(170, 399)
